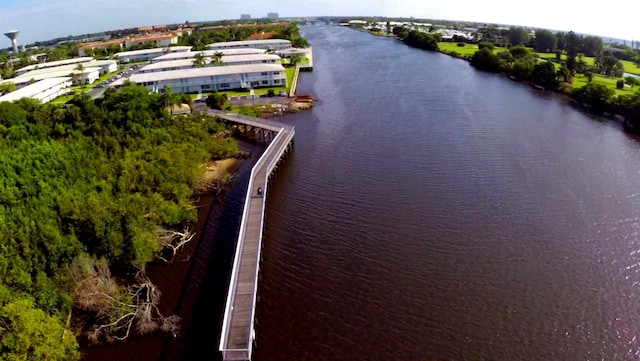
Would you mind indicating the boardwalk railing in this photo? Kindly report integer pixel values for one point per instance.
(238, 332)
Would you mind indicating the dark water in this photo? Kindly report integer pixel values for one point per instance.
(433, 212)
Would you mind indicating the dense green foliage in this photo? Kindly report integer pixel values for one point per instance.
(419, 39)
(97, 178)
(201, 38)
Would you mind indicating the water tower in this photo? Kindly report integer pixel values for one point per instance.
(13, 35)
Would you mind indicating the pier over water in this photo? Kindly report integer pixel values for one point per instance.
(238, 333)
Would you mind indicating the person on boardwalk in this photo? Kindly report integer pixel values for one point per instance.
(259, 191)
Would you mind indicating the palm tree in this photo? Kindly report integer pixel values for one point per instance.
(78, 76)
(169, 100)
(217, 59)
(199, 60)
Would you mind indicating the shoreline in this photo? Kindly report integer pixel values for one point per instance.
(200, 270)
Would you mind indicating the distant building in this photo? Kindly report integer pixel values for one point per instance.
(207, 53)
(83, 48)
(159, 39)
(357, 23)
(245, 17)
(226, 61)
(148, 54)
(272, 16)
(269, 44)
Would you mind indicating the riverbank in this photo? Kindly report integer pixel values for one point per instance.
(194, 285)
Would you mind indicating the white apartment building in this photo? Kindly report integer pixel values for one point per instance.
(196, 80)
(268, 44)
(207, 53)
(44, 90)
(53, 64)
(226, 61)
(148, 54)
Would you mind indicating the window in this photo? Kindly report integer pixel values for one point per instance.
(265, 82)
(255, 83)
(224, 85)
(205, 86)
(276, 81)
(266, 73)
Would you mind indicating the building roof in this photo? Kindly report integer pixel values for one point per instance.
(191, 54)
(91, 64)
(225, 59)
(161, 50)
(152, 37)
(49, 64)
(201, 72)
(34, 89)
(292, 51)
(262, 35)
(52, 74)
(101, 44)
(249, 42)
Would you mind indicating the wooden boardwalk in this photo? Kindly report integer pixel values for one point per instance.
(238, 333)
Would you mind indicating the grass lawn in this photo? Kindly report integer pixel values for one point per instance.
(466, 50)
(610, 82)
(630, 67)
(449, 47)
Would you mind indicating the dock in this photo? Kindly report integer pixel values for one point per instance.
(238, 331)
(308, 64)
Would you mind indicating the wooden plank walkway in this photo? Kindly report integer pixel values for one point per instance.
(236, 341)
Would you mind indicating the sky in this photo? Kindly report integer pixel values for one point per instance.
(40, 20)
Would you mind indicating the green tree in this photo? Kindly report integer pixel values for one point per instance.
(169, 100)
(217, 100)
(81, 76)
(544, 74)
(596, 96)
(545, 41)
(609, 65)
(199, 60)
(518, 36)
(519, 52)
(27, 333)
(216, 60)
(485, 60)
(7, 87)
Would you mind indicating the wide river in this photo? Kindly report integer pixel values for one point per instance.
(433, 212)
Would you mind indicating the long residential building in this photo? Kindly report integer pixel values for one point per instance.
(88, 76)
(268, 44)
(148, 54)
(196, 80)
(44, 90)
(207, 53)
(52, 64)
(106, 66)
(226, 61)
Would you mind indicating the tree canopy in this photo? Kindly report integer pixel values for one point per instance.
(94, 178)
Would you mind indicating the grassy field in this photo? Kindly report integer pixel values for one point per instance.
(610, 82)
(579, 80)
(630, 67)
(466, 50)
